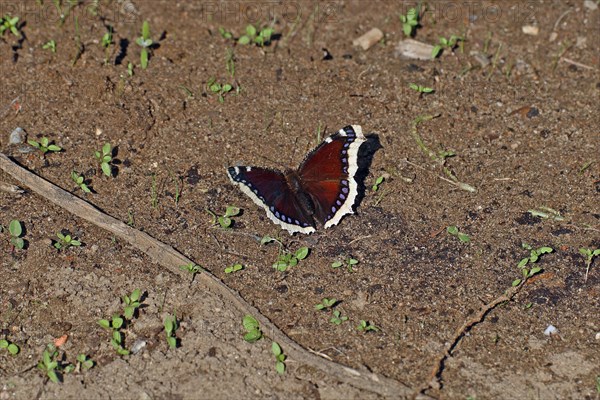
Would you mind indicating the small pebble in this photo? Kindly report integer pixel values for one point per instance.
(530, 30)
(17, 136)
(590, 5)
(598, 336)
(551, 330)
(138, 346)
(413, 49)
(368, 39)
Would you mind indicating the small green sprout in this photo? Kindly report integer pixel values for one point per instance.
(104, 158)
(12, 348)
(268, 239)
(219, 88)
(261, 38)
(365, 326)
(107, 41)
(44, 145)
(589, 255)
(225, 34)
(171, 326)
(80, 181)
(410, 21)
(192, 269)
(84, 361)
(377, 183)
(15, 229)
(534, 255)
(65, 241)
(337, 318)
(234, 268)
(446, 44)
(279, 358)
(145, 43)
(114, 325)
(132, 303)
(225, 220)
(325, 304)
(9, 23)
(50, 45)
(350, 262)
(287, 260)
(598, 384)
(453, 230)
(419, 88)
(130, 67)
(253, 332)
(49, 364)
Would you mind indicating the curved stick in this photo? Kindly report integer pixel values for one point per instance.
(170, 259)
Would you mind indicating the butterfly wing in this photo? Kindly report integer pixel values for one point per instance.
(327, 175)
(270, 190)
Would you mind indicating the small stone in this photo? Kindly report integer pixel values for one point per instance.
(590, 5)
(530, 30)
(551, 330)
(413, 49)
(368, 39)
(17, 136)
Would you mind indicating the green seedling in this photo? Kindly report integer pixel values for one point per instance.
(325, 304)
(192, 269)
(349, 262)
(546, 213)
(49, 364)
(225, 220)
(337, 318)
(83, 362)
(50, 45)
(104, 158)
(268, 239)
(534, 255)
(132, 303)
(107, 41)
(377, 183)
(287, 260)
(598, 384)
(44, 145)
(80, 181)
(419, 88)
(453, 230)
(410, 21)
(279, 358)
(365, 326)
(130, 69)
(15, 230)
(114, 325)
(225, 34)
(145, 43)
(589, 255)
(170, 328)
(12, 348)
(446, 44)
(65, 241)
(10, 24)
(261, 38)
(234, 268)
(253, 332)
(218, 88)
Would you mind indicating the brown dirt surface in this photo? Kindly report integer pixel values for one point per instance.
(524, 128)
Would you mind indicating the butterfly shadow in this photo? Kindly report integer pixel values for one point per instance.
(366, 153)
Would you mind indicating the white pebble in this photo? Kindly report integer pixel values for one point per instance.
(551, 330)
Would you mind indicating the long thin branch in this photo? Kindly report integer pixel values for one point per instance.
(170, 259)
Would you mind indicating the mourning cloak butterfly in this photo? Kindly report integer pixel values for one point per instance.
(319, 193)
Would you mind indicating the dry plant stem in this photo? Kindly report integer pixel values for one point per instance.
(170, 259)
(436, 372)
(434, 157)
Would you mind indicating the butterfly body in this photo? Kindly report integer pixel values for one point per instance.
(319, 193)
